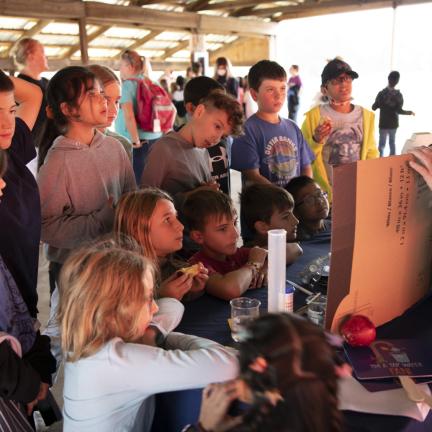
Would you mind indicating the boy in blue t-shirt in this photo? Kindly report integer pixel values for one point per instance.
(273, 149)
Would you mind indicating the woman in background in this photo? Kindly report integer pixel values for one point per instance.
(134, 68)
(223, 75)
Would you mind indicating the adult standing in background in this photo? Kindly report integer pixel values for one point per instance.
(390, 102)
(20, 215)
(29, 56)
(294, 86)
(224, 76)
(133, 68)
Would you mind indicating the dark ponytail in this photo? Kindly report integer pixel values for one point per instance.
(66, 86)
(299, 369)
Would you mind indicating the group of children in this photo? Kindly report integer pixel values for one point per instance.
(119, 348)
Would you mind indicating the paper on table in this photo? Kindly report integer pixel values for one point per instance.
(354, 397)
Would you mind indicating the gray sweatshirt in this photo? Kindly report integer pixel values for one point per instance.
(75, 184)
(176, 166)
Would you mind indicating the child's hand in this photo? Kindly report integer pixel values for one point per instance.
(423, 163)
(293, 251)
(200, 280)
(216, 401)
(257, 255)
(323, 129)
(176, 286)
(43, 393)
(260, 278)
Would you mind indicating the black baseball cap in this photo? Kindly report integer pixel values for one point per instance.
(334, 68)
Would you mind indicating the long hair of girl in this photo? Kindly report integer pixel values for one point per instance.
(65, 87)
(132, 217)
(102, 296)
(301, 367)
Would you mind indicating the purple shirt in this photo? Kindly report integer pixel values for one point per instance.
(278, 150)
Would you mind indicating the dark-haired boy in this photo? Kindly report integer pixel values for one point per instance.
(178, 162)
(338, 132)
(195, 90)
(212, 223)
(390, 102)
(273, 149)
(311, 208)
(265, 207)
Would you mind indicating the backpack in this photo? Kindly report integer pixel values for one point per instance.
(153, 104)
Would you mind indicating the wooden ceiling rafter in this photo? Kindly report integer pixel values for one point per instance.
(197, 5)
(169, 52)
(100, 31)
(37, 28)
(139, 42)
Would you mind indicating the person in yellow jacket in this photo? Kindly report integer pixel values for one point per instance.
(338, 132)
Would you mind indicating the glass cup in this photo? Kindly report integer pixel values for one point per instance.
(316, 309)
(243, 310)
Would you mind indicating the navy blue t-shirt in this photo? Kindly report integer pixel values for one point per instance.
(279, 151)
(20, 216)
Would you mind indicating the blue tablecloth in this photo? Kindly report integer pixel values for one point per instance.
(207, 317)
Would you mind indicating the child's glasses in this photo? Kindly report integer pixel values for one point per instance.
(313, 199)
(341, 79)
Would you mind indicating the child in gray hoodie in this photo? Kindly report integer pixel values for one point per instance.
(85, 172)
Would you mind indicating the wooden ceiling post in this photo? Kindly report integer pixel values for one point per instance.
(83, 41)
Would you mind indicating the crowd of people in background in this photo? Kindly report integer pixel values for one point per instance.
(122, 213)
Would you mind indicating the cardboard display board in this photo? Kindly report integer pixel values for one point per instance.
(381, 240)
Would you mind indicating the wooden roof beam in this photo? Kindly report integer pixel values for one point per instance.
(56, 64)
(141, 41)
(100, 31)
(339, 6)
(197, 5)
(169, 52)
(150, 2)
(37, 28)
(245, 11)
(230, 4)
(102, 13)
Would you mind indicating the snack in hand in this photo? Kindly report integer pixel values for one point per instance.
(324, 120)
(193, 270)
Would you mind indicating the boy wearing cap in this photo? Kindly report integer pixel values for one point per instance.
(338, 132)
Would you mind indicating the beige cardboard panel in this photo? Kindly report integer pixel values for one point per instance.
(392, 253)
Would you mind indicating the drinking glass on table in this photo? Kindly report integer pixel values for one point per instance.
(243, 310)
(316, 309)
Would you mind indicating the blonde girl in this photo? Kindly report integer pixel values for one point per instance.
(106, 305)
(112, 91)
(149, 217)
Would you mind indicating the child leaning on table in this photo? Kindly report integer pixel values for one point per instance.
(288, 379)
(113, 366)
(311, 208)
(265, 207)
(150, 218)
(212, 221)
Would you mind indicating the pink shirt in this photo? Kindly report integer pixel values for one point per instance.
(232, 262)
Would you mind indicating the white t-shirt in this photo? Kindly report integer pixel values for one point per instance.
(104, 392)
(345, 140)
